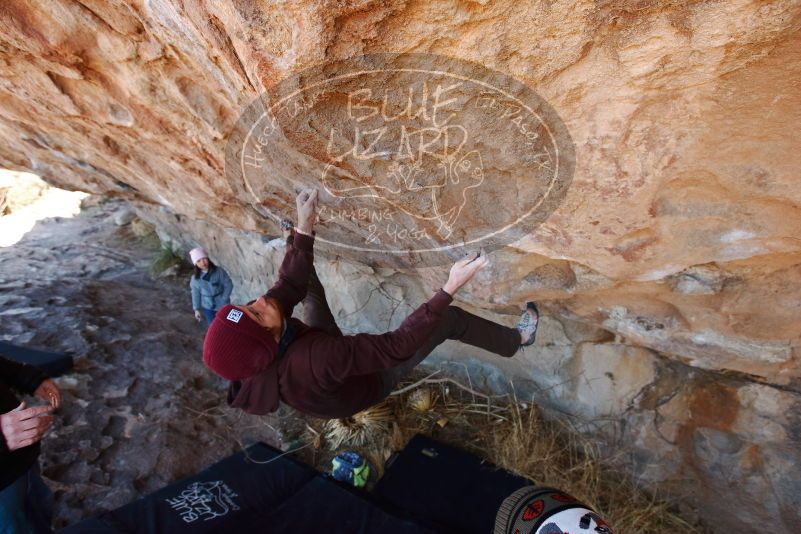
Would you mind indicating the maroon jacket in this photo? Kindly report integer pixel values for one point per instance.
(323, 375)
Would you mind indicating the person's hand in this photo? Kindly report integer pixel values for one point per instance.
(463, 270)
(198, 315)
(48, 391)
(25, 426)
(307, 210)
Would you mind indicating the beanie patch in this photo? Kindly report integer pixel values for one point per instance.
(234, 315)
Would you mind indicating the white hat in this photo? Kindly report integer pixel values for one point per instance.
(197, 254)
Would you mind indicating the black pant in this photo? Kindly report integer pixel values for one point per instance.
(456, 324)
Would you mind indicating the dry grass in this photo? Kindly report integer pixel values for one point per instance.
(510, 434)
(369, 428)
(422, 399)
(554, 454)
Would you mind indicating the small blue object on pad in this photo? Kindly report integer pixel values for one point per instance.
(350, 467)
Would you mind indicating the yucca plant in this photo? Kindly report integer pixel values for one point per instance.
(367, 427)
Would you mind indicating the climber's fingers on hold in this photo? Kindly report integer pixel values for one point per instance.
(308, 194)
(477, 265)
(469, 257)
(476, 260)
(481, 262)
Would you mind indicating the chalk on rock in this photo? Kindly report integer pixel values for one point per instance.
(170, 271)
(124, 216)
(275, 243)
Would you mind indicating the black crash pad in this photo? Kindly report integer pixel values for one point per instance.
(446, 487)
(51, 363)
(226, 495)
(324, 505)
(235, 495)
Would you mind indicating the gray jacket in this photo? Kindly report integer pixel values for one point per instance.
(212, 290)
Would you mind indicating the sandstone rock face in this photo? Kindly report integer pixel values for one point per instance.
(670, 272)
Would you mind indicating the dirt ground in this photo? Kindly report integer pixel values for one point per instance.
(139, 409)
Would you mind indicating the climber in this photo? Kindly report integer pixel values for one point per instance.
(310, 365)
(210, 286)
(25, 500)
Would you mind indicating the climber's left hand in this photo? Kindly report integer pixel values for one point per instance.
(464, 270)
(307, 210)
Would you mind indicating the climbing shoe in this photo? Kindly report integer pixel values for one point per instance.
(528, 324)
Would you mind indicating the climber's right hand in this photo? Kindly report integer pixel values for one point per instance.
(307, 210)
(198, 315)
(25, 426)
(464, 270)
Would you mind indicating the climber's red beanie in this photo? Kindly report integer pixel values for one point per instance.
(237, 347)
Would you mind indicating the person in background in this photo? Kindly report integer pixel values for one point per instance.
(25, 501)
(269, 356)
(210, 286)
